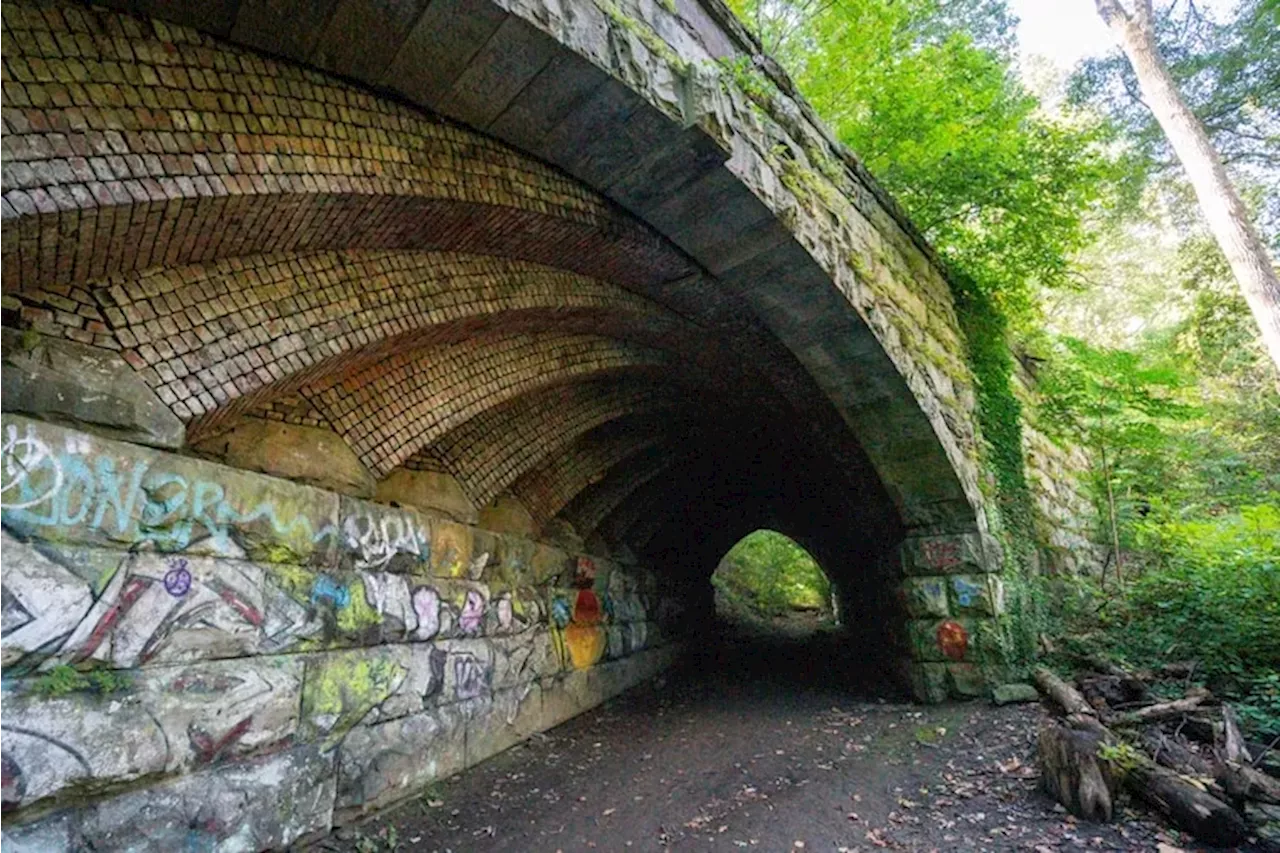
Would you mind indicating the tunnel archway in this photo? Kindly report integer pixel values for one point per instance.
(768, 584)
(445, 362)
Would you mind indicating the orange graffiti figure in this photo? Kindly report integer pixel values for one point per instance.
(953, 640)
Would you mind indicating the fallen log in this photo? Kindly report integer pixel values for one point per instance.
(1105, 692)
(1163, 710)
(1233, 741)
(1067, 697)
(1181, 669)
(1169, 753)
(1229, 779)
(1247, 783)
(1071, 772)
(1211, 733)
(1188, 808)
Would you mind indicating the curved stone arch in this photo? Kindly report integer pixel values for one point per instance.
(492, 450)
(818, 293)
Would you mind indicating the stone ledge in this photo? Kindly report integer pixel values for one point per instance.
(86, 386)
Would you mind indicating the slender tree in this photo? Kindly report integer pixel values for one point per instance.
(1134, 29)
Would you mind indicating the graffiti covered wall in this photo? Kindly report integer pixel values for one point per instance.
(197, 657)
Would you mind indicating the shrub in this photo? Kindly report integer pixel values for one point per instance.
(1209, 592)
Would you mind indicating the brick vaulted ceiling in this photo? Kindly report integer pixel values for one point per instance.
(261, 240)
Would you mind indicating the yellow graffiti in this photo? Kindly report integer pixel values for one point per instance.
(585, 644)
(343, 689)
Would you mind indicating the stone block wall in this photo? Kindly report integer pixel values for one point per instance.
(952, 586)
(1068, 529)
(197, 656)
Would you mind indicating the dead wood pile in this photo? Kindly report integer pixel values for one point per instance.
(1184, 757)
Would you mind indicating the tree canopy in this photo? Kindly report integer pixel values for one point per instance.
(926, 93)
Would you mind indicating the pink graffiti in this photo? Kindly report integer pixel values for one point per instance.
(426, 604)
(941, 553)
(472, 613)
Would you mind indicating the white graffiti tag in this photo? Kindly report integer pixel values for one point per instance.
(29, 472)
(377, 540)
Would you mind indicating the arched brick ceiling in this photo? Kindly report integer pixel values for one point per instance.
(205, 335)
(172, 151)
(545, 490)
(490, 451)
(390, 409)
(260, 238)
(598, 500)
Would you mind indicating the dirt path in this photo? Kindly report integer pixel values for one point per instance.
(751, 751)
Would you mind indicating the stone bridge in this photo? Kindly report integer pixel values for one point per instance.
(540, 306)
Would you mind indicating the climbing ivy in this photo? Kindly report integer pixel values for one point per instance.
(1005, 646)
(999, 411)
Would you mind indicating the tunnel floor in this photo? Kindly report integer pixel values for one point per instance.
(753, 745)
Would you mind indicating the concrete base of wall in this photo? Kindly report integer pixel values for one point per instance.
(304, 792)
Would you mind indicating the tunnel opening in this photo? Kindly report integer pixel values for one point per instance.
(852, 535)
(768, 584)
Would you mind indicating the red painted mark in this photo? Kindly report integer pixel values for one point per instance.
(953, 639)
(941, 553)
(207, 749)
(248, 611)
(586, 573)
(586, 610)
(128, 597)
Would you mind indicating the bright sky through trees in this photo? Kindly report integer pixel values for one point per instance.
(1066, 31)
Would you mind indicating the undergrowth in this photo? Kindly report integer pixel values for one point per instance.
(1206, 591)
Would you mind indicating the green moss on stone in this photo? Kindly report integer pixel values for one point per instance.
(645, 34)
(65, 679)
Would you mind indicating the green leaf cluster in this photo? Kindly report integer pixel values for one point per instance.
(771, 574)
(925, 92)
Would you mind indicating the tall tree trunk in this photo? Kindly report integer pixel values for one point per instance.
(1225, 213)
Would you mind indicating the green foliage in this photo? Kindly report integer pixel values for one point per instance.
(1213, 592)
(1124, 757)
(1208, 591)
(926, 93)
(1193, 469)
(999, 411)
(1008, 647)
(1120, 405)
(64, 679)
(770, 574)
